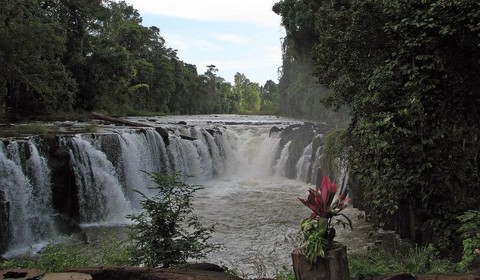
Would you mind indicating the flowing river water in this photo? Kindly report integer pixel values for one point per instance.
(250, 194)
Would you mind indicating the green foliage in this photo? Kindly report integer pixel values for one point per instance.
(58, 57)
(318, 230)
(35, 80)
(269, 98)
(56, 257)
(285, 273)
(408, 72)
(248, 94)
(299, 91)
(335, 152)
(315, 242)
(470, 235)
(90, 128)
(167, 232)
(34, 129)
(422, 260)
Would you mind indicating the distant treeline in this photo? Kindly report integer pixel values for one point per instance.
(60, 57)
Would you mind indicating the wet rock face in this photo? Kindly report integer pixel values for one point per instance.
(64, 188)
(4, 222)
(300, 137)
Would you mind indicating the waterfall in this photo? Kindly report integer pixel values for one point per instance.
(304, 163)
(28, 190)
(281, 165)
(316, 164)
(99, 191)
(218, 167)
(107, 169)
(249, 152)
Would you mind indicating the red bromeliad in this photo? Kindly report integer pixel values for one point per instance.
(318, 232)
(322, 201)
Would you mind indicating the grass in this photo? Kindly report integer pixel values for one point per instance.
(285, 273)
(70, 254)
(420, 260)
(33, 129)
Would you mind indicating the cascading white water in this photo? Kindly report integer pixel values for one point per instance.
(316, 163)
(218, 165)
(29, 192)
(242, 167)
(249, 151)
(41, 200)
(281, 165)
(106, 189)
(100, 194)
(303, 164)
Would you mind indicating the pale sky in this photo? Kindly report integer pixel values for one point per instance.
(234, 35)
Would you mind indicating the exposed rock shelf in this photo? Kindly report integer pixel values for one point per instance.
(194, 272)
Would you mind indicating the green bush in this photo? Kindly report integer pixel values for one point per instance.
(34, 128)
(90, 128)
(167, 232)
(418, 260)
(285, 273)
(469, 232)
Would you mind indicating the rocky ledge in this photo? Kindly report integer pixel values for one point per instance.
(202, 271)
(191, 272)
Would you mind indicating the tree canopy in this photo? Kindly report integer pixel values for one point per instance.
(408, 72)
(60, 57)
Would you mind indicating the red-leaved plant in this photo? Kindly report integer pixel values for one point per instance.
(318, 230)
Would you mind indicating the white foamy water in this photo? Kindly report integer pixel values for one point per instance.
(241, 164)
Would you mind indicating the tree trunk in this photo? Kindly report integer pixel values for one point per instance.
(118, 120)
(333, 267)
(160, 130)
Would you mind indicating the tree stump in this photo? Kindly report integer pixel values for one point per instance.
(333, 267)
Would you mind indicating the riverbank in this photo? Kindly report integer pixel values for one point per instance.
(203, 271)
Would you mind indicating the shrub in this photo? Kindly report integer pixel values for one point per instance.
(34, 128)
(469, 232)
(90, 128)
(422, 260)
(167, 232)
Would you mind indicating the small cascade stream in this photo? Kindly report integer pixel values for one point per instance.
(253, 170)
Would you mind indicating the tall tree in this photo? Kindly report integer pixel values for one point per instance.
(81, 22)
(408, 70)
(33, 79)
(299, 91)
(248, 93)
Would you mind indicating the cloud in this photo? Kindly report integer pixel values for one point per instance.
(176, 42)
(207, 46)
(231, 38)
(247, 11)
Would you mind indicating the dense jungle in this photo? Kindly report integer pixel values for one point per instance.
(400, 79)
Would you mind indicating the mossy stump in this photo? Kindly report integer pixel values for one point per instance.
(333, 267)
